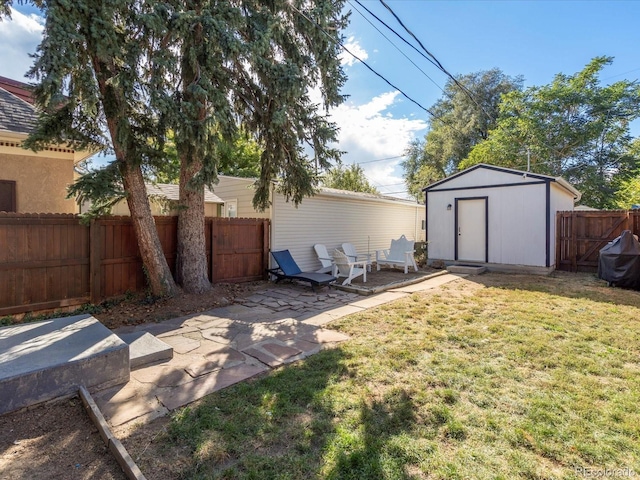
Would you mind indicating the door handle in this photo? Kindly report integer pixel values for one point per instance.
(459, 234)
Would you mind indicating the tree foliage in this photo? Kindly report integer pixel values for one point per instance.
(92, 94)
(351, 178)
(573, 127)
(462, 118)
(238, 158)
(628, 193)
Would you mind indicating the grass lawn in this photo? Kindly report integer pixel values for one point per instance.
(496, 376)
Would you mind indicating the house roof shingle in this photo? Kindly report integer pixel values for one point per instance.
(22, 90)
(17, 115)
(171, 192)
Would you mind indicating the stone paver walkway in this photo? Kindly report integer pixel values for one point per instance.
(218, 348)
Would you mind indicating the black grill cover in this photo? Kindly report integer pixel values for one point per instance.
(619, 262)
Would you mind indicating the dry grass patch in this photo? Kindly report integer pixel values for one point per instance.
(498, 376)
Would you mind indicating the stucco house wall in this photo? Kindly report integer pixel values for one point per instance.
(41, 182)
(40, 178)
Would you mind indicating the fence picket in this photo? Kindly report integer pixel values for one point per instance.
(49, 261)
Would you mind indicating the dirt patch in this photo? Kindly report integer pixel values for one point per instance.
(54, 441)
(137, 309)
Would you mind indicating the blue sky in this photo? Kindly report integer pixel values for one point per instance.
(536, 39)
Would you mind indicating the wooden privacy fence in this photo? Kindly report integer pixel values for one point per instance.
(49, 261)
(581, 234)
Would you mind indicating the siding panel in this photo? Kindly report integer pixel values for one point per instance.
(369, 225)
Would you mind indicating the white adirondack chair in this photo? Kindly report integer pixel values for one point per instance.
(325, 259)
(348, 269)
(350, 250)
(400, 254)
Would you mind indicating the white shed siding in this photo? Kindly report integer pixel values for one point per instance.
(332, 220)
(241, 189)
(517, 225)
(441, 225)
(485, 177)
(516, 221)
(521, 223)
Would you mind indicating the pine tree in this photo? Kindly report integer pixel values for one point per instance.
(91, 95)
(249, 63)
(199, 68)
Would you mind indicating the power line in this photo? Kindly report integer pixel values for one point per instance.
(620, 74)
(338, 42)
(360, 60)
(382, 159)
(399, 36)
(436, 62)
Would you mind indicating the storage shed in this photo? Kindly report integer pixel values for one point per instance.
(495, 216)
(331, 217)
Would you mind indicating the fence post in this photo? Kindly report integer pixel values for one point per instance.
(558, 239)
(95, 257)
(265, 248)
(213, 249)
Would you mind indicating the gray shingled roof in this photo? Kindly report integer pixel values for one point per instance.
(16, 115)
(171, 192)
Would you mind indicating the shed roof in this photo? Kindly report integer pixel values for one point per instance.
(559, 180)
(172, 192)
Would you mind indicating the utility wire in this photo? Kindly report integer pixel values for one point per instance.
(382, 159)
(399, 36)
(338, 42)
(436, 62)
(389, 40)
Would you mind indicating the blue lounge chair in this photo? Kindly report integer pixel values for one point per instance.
(288, 270)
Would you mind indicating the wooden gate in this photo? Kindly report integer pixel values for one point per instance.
(581, 234)
(239, 249)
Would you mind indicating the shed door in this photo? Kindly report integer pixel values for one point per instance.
(471, 229)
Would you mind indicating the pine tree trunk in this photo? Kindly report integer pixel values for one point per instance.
(156, 268)
(144, 226)
(191, 261)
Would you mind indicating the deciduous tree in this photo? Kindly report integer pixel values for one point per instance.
(461, 118)
(574, 127)
(351, 178)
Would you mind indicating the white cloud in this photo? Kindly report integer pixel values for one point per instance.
(354, 47)
(19, 36)
(370, 132)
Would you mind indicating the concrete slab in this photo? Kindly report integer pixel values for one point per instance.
(430, 283)
(133, 401)
(316, 319)
(43, 360)
(144, 348)
(378, 299)
(273, 354)
(179, 396)
(467, 269)
(181, 344)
